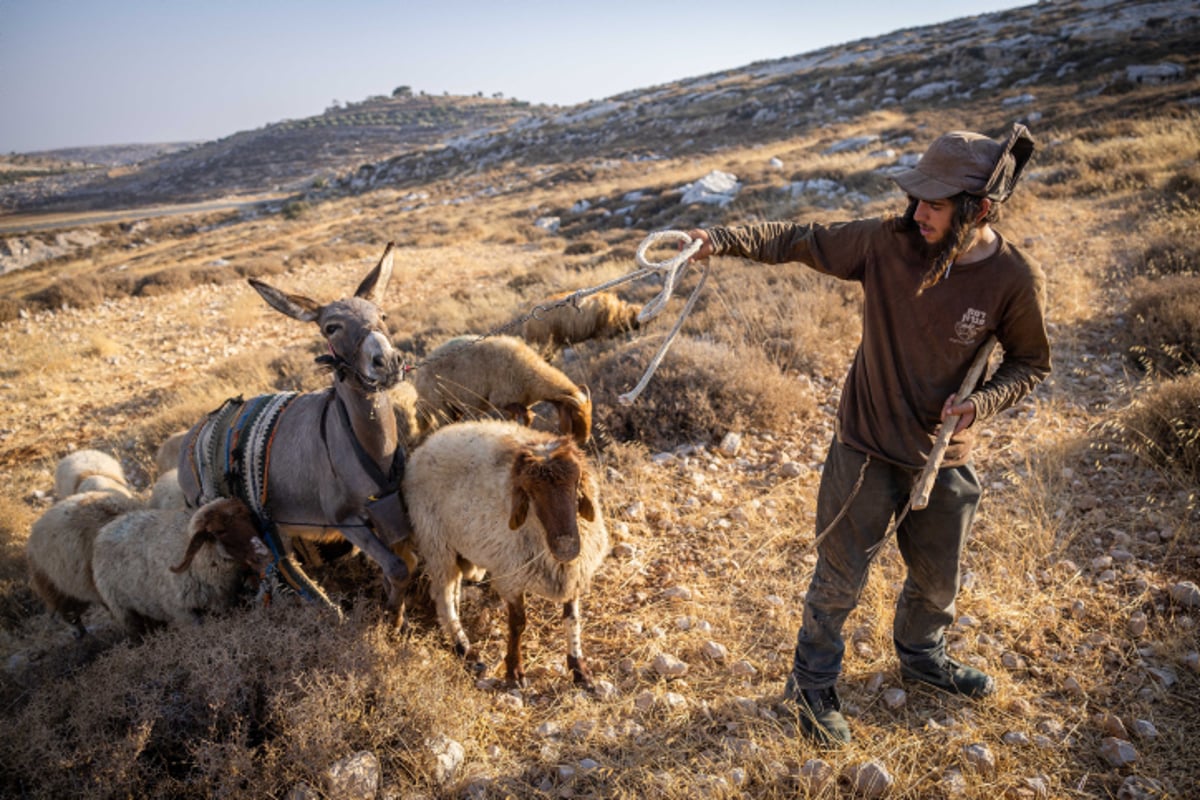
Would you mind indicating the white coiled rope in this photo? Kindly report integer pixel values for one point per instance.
(671, 269)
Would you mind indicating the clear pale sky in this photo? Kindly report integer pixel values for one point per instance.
(93, 72)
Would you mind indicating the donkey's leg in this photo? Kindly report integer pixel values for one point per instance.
(572, 626)
(395, 571)
(514, 669)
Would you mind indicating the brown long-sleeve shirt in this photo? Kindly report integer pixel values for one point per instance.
(915, 350)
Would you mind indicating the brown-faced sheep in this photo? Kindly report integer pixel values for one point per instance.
(517, 502)
(597, 316)
(161, 566)
(89, 471)
(497, 373)
(59, 551)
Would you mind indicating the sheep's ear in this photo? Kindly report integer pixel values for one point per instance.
(587, 506)
(199, 536)
(296, 306)
(520, 508)
(375, 284)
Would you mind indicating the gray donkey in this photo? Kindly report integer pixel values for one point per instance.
(316, 464)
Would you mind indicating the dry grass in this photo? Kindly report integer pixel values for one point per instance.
(255, 703)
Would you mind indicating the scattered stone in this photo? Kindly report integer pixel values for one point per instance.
(669, 666)
(980, 758)
(1118, 752)
(1072, 687)
(742, 667)
(548, 730)
(1192, 660)
(1186, 594)
(604, 690)
(644, 701)
(815, 774)
(1037, 786)
(875, 682)
(1140, 787)
(1166, 677)
(1145, 729)
(731, 444)
(1137, 624)
(895, 698)
(678, 593)
(303, 791)
(355, 777)
(624, 551)
(715, 650)
(953, 783)
(1015, 738)
(674, 700)
(1111, 725)
(870, 779)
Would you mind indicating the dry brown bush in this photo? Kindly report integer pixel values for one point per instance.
(702, 391)
(1164, 324)
(1163, 426)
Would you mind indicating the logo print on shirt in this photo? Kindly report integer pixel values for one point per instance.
(966, 330)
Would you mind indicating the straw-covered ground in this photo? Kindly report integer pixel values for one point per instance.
(1076, 596)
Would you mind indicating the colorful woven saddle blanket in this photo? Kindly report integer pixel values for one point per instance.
(230, 456)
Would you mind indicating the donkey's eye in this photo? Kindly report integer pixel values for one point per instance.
(332, 327)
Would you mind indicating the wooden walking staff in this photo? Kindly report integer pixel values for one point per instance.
(924, 485)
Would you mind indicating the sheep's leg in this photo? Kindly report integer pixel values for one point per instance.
(574, 630)
(445, 593)
(514, 670)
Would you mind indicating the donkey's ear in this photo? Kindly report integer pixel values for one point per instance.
(375, 284)
(296, 306)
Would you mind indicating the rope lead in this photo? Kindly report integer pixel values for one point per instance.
(671, 269)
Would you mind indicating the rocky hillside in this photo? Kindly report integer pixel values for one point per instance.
(1046, 63)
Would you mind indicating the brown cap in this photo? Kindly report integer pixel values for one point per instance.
(963, 161)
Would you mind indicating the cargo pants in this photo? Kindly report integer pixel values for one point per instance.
(930, 541)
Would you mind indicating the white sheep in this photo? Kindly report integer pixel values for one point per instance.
(167, 456)
(497, 373)
(89, 471)
(597, 316)
(166, 492)
(59, 551)
(470, 488)
(161, 566)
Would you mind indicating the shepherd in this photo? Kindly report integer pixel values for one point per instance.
(938, 283)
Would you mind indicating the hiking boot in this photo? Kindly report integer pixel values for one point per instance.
(819, 712)
(950, 676)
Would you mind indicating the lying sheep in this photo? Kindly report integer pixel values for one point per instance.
(89, 471)
(598, 316)
(470, 489)
(59, 551)
(160, 566)
(498, 373)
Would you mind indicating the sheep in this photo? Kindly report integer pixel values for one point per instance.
(89, 471)
(498, 373)
(166, 492)
(404, 406)
(469, 489)
(59, 552)
(167, 457)
(160, 566)
(598, 316)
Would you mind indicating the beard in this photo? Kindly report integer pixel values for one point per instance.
(940, 255)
